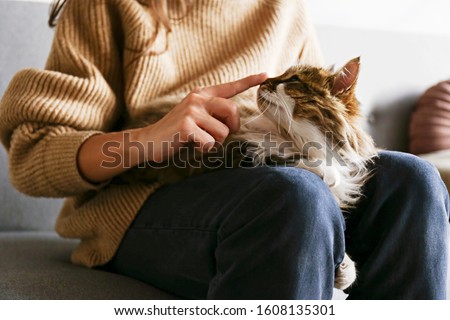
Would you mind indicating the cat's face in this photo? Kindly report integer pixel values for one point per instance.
(319, 96)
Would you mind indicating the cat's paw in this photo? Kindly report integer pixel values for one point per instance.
(331, 177)
(345, 273)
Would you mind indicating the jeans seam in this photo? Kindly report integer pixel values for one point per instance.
(176, 229)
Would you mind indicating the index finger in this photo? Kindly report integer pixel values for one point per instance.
(230, 89)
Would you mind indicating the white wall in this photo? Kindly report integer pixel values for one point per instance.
(44, 1)
(411, 16)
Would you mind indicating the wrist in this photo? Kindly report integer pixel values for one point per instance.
(135, 146)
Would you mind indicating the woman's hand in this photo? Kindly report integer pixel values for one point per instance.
(205, 116)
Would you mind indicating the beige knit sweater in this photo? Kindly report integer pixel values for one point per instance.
(96, 73)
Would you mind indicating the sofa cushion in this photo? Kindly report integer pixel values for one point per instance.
(20, 212)
(25, 37)
(23, 45)
(35, 265)
(430, 121)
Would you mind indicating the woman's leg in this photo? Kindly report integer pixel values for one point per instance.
(398, 234)
(259, 233)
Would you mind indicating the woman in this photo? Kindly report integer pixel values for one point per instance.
(232, 234)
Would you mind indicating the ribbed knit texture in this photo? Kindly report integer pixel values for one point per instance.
(96, 72)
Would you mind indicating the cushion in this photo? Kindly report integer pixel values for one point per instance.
(430, 121)
(20, 212)
(35, 265)
(23, 45)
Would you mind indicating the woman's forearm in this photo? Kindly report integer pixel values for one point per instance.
(103, 156)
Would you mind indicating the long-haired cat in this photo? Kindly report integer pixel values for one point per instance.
(308, 117)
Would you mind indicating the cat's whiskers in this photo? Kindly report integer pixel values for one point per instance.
(266, 105)
(283, 104)
(276, 110)
(288, 113)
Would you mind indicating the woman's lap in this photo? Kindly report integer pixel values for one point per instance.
(177, 240)
(186, 232)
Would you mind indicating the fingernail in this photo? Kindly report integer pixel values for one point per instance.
(263, 75)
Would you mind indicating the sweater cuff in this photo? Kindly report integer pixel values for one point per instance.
(61, 166)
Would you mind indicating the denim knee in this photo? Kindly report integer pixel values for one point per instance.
(419, 180)
(299, 185)
(288, 205)
(306, 200)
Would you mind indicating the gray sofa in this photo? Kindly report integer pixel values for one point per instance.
(34, 261)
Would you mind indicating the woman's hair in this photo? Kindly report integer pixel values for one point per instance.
(55, 10)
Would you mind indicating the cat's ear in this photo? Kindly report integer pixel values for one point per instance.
(345, 79)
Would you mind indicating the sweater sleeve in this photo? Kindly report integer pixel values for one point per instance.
(46, 115)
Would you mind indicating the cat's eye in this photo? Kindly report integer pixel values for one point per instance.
(294, 78)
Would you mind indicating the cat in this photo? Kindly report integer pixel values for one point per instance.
(310, 104)
(309, 116)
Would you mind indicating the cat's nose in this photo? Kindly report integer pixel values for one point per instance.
(268, 83)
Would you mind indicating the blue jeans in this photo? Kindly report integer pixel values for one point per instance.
(277, 233)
